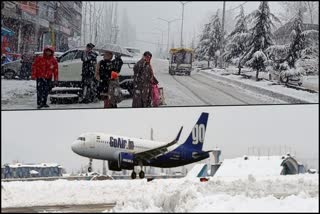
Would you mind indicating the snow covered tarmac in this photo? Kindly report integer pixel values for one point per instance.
(294, 193)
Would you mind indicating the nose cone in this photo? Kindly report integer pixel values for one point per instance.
(75, 146)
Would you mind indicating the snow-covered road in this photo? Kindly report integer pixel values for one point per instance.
(197, 89)
(293, 193)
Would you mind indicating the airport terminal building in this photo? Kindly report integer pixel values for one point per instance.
(19, 170)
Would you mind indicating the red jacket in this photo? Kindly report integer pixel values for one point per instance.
(45, 67)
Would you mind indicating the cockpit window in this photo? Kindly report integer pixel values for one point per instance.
(81, 138)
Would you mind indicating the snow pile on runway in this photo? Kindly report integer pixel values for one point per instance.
(277, 193)
(258, 166)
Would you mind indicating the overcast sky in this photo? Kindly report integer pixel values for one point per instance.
(144, 15)
(46, 135)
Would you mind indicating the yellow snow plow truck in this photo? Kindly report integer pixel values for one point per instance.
(180, 61)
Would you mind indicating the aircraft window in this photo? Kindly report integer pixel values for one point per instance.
(81, 138)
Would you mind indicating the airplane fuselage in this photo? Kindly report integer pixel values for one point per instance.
(107, 147)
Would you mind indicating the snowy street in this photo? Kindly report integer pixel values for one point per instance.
(197, 89)
(292, 193)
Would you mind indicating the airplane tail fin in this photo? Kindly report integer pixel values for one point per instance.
(196, 138)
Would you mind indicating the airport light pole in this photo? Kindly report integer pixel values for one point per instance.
(182, 19)
(169, 22)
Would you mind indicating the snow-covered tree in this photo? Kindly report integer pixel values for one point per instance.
(210, 40)
(261, 35)
(258, 62)
(298, 57)
(297, 42)
(202, 50)
(237, 40)
(215, 38)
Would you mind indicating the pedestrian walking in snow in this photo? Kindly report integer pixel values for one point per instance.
(103, 75)
(89, 59)
(43, 68)
(143, 77)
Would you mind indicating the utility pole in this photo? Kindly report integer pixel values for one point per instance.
(168, 22)
(182, 18)
(85, 23)
(222, 42)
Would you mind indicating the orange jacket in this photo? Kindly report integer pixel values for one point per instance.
(45, 67)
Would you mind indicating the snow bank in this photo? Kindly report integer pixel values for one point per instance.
(265, 87)
(274, 193)
(257, 166)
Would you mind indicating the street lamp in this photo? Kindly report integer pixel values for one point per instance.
(161, 38)
(169, 22)
(183, 4)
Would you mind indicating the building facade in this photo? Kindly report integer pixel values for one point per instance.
(39, 23)
(30, 170)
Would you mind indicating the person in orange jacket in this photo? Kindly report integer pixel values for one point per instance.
(43, 69)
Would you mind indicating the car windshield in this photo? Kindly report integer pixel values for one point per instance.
(182, 58)
(81, 138)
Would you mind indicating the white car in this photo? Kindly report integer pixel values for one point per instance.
(70, 69)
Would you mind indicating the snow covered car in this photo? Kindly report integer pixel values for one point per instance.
(70, 69)
(12, 69)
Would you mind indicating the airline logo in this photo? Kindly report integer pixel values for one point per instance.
(121, 143)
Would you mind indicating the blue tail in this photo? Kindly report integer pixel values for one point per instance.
(196, 138)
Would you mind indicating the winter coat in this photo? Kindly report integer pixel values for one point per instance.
(45, 67)
(89, 60)
(142, 84)
(105, 69)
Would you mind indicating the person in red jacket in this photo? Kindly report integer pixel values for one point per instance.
(43, 68)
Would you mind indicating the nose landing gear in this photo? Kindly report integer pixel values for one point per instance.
(90, 165)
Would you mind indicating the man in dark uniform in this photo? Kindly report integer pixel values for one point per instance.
(89, 59)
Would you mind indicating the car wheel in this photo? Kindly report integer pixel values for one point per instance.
(9, 74)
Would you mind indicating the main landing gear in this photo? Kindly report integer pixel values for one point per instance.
(134, 175)
(141, 173)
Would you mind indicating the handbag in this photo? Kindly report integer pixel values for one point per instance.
(155, 95)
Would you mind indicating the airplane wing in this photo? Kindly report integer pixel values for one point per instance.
(149, 154)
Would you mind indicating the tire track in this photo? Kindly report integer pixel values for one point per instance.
(194, 93)
(222, 91)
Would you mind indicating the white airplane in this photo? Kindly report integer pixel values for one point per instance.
(126, 152)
